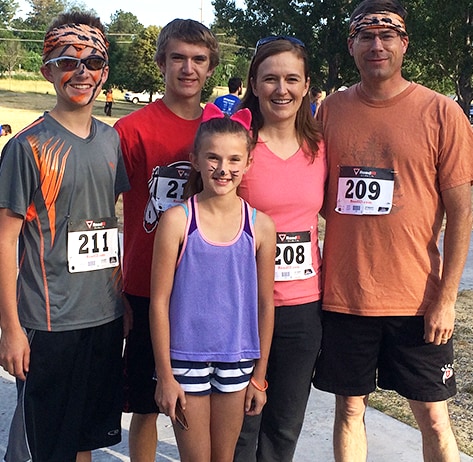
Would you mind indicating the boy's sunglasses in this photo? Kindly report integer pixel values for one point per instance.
(68, 63)
(273, 38)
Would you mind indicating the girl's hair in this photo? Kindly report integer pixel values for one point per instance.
(189, 31)
(215, 126)
(309, 131)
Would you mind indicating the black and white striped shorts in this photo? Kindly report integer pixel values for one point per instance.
(204, 378)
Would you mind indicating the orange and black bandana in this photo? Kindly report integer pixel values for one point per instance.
(381, 20)
(77, 35)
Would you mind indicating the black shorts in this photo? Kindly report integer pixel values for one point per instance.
(71, 400)
(359, 352)
(139, 361)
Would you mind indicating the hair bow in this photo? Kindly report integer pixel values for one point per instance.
(242, 116)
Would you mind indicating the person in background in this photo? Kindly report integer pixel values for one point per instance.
(61, 310)
(108, 102)
(5, 129)
(286, 181)
(400, 159)
(315, 99)
(222, 283)
(156, 142)
(228, 104)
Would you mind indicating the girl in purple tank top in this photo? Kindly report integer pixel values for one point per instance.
(212, 310)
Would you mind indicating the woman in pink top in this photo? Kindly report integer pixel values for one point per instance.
(286, 181)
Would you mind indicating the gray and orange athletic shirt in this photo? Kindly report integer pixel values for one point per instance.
(65, 188)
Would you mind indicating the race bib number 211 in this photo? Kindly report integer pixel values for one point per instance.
(92, 244)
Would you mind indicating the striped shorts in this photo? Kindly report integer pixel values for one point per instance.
(204, 378)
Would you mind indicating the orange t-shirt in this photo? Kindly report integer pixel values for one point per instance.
(389, 264)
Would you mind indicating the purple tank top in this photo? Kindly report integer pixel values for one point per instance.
(214, 302)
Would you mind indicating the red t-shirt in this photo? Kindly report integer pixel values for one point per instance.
(152, 139)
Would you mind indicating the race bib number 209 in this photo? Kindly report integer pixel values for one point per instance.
(365, 191)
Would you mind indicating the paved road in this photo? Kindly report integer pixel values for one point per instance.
(389, 439)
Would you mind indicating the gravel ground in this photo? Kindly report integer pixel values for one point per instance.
(461, 405)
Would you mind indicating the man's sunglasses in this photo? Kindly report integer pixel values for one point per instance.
(68, 63)
(273, 38)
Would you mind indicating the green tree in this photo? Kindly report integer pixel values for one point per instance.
(440, 55)
(42, 13)
(11, 55)
(7, 12)
(8, 9)
(121, 30)
(441, 45)
(321, 25)
(143, 73)
(32, 61)
(123, 24)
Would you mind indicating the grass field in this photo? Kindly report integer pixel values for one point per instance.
(23, 101)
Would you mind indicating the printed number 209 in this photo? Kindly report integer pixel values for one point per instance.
(360, 189)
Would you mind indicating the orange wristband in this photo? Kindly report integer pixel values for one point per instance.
(258, 386)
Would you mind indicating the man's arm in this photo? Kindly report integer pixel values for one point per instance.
(14, 346)
(440, 317)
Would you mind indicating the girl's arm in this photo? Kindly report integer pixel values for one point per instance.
(169, 235)
(265, 256)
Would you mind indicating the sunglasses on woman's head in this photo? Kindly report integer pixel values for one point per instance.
(273, 38)
(68, 63)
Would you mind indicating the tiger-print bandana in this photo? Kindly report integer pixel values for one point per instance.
(381, 20)
(77, 35)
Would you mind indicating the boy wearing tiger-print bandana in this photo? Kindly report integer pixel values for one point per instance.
(61, 317)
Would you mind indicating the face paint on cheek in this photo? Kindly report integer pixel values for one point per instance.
(235, 173)
(65, 81)
(96, 89)
(84, 98)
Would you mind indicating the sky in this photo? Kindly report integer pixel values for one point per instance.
(150, 12)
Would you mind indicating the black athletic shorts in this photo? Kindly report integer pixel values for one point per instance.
(71, 400)
(139, 361)
(360, 352)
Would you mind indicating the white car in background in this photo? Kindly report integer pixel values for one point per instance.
(141, 97)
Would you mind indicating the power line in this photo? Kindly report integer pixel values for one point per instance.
(11, 29)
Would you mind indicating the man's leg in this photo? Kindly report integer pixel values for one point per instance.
(349, 433)
(143, 437)
(438, 440)
(84, 456)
